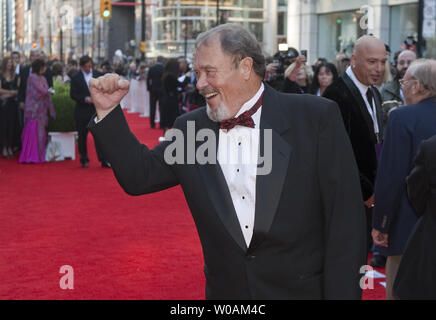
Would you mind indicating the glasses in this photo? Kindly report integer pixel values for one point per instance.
(403, 82)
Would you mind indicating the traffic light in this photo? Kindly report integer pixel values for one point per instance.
(105, 9)
(142, 46)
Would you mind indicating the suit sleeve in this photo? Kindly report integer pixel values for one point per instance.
(150, 71)
(392, 171)
(138, 169)
(75, 92)
(344, 216)
(22, 87)
(418, 185)
(49, 77)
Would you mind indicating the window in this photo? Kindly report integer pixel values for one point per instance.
(338, 32)
(403, 23)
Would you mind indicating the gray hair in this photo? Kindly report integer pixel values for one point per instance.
(236, 42)
(424, 70)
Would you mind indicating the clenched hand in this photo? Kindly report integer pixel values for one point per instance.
(107, 92)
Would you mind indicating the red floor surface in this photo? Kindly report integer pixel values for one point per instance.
(120, 247)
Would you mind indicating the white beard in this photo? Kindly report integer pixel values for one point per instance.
(218, 114)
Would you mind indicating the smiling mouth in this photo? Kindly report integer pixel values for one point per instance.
(210, 95)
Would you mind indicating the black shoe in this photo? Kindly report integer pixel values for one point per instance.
(378, 261)
(84, 164)
(105, 164)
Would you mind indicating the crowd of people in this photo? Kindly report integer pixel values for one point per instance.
(387, 107)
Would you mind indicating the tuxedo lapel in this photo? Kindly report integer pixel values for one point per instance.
(361, 104)
(219, 193)
(84, 85)
(269, 186)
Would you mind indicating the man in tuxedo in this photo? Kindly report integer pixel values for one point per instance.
(154, 86)
(393, 216)
(360, 104)
(79, 92)
(293, 229)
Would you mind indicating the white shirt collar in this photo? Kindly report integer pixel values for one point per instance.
(362, 88)
(87, 74)
(246, 106)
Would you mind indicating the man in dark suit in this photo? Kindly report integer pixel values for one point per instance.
(289, 227)
(360, 102)
(394, 217)
(79, 91)
(416, 278)
(154, 86)
(391, 92)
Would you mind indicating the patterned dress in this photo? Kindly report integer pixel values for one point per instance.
(38, 103)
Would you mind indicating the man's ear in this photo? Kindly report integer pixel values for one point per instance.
(246, 66)
(353, 61)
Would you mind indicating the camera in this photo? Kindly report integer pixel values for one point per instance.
(284, 59)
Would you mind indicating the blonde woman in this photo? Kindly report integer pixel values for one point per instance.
(298, 77)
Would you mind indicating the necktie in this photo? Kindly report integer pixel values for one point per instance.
(369, 97)
(243, 119)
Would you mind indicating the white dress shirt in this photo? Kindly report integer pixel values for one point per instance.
(363, 88)
(87, 77)
(238, 156)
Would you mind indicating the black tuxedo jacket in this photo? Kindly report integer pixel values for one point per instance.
(309, 233)
(154, 77)
(79, 91)
(359, 126)
(24, 75)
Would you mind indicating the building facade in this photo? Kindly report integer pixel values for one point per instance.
(325, 28)
(174, 24)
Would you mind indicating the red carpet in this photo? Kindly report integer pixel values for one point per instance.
(120, 247)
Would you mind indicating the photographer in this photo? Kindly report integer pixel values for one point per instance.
(297, 77)
(276, 66)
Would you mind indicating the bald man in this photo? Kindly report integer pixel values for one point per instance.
(391, 92)
(360, 104)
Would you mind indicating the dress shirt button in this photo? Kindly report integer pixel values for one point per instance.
(237, 170)
(239, 144)
(243, 198)
(246, 227)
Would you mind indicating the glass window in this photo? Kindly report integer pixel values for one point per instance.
(338, 32)
(191, 12)
(166, 13)
(168, 3)
(403, 23)
(166, 30)
(239, 3)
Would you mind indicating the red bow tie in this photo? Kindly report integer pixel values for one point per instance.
(243, 119)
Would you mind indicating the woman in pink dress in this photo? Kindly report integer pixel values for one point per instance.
(38, 103)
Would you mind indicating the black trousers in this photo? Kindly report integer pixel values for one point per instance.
(154, 98)
(82, 121)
